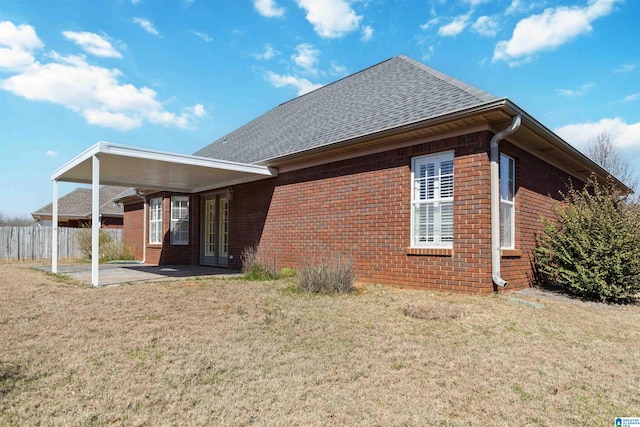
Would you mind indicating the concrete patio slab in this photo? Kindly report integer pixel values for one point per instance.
(114, 274)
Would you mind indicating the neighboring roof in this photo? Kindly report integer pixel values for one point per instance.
(390, 94)
(77, 204)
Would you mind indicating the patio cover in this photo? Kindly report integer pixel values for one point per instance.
(121, 165)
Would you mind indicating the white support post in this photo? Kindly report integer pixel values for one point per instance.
(95, 219)
(54, 229)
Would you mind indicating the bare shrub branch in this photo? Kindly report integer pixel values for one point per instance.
(328, 274)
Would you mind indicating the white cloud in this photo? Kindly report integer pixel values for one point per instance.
(455, 27)
(51, 153)
(550, 29)
(146, 25)
(631, 98)
(625, 68)
(17, 44)
(516, 6)
(474, 3)
(583, 89)
(269, 52)
(92, 43)
(306, 57)
(331, 18)
(426, 55)
(108, 119)
(268, 8)
(303, 85)
(199, 111)
(338, 70)
(204, 36)
(429, 23)
(367, 34)
(94, 92)
(486, 26)
(626, 136)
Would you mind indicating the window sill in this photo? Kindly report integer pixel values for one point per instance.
(510, 253)
(429, 251)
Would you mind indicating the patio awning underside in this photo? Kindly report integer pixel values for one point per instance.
(150, 169)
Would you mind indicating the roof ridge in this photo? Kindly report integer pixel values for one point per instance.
(471, 90)
(391, 93)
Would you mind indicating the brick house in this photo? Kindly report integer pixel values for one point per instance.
(75, 209)
(426, 181)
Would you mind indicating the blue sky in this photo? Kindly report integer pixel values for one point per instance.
(178, 74)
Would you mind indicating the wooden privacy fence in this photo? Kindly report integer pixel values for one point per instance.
(25, 243)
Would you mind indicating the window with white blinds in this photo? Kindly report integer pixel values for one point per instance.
(155, 220)
(432, 201)
(180, 220)
(507, 194)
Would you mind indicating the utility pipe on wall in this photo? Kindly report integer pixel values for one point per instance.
(495, 199)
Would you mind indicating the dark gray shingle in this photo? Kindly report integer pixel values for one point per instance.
(392, 93)
(78, 203)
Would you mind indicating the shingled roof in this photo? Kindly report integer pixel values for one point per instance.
(392, 93)
(77, 204)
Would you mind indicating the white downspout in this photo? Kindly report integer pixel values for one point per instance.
(144, 225)
(495, 200)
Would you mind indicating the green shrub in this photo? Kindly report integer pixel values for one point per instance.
(592, 248)
(109, 249)
(287, 272)
(258, 266)
(116, 251)
(328, 275)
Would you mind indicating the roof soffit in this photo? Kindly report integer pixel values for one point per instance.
(136, 167)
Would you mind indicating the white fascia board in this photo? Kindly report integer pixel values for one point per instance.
(185, 159)
(103, 147)
(80, 158)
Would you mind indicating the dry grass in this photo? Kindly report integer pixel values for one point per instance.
(228, 352)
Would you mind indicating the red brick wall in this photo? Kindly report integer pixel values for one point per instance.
(133, 228)
(537, 186)
(361, 208)
(247, 215)
(164, 253)
(112, 222)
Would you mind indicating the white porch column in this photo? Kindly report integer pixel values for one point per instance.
(54, 229)
(95, 219)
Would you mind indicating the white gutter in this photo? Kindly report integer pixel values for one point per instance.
(495, 200)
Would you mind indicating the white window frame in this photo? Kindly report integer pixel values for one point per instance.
(179, 228)
(507, 201)
(432, 196)
(155, 221)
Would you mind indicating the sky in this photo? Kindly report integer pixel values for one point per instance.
(175, 75)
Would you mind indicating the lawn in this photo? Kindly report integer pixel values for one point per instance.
(230, 352)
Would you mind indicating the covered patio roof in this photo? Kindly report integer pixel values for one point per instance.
(121, 165)
(141, 167)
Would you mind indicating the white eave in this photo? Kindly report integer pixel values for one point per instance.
(123, 165)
